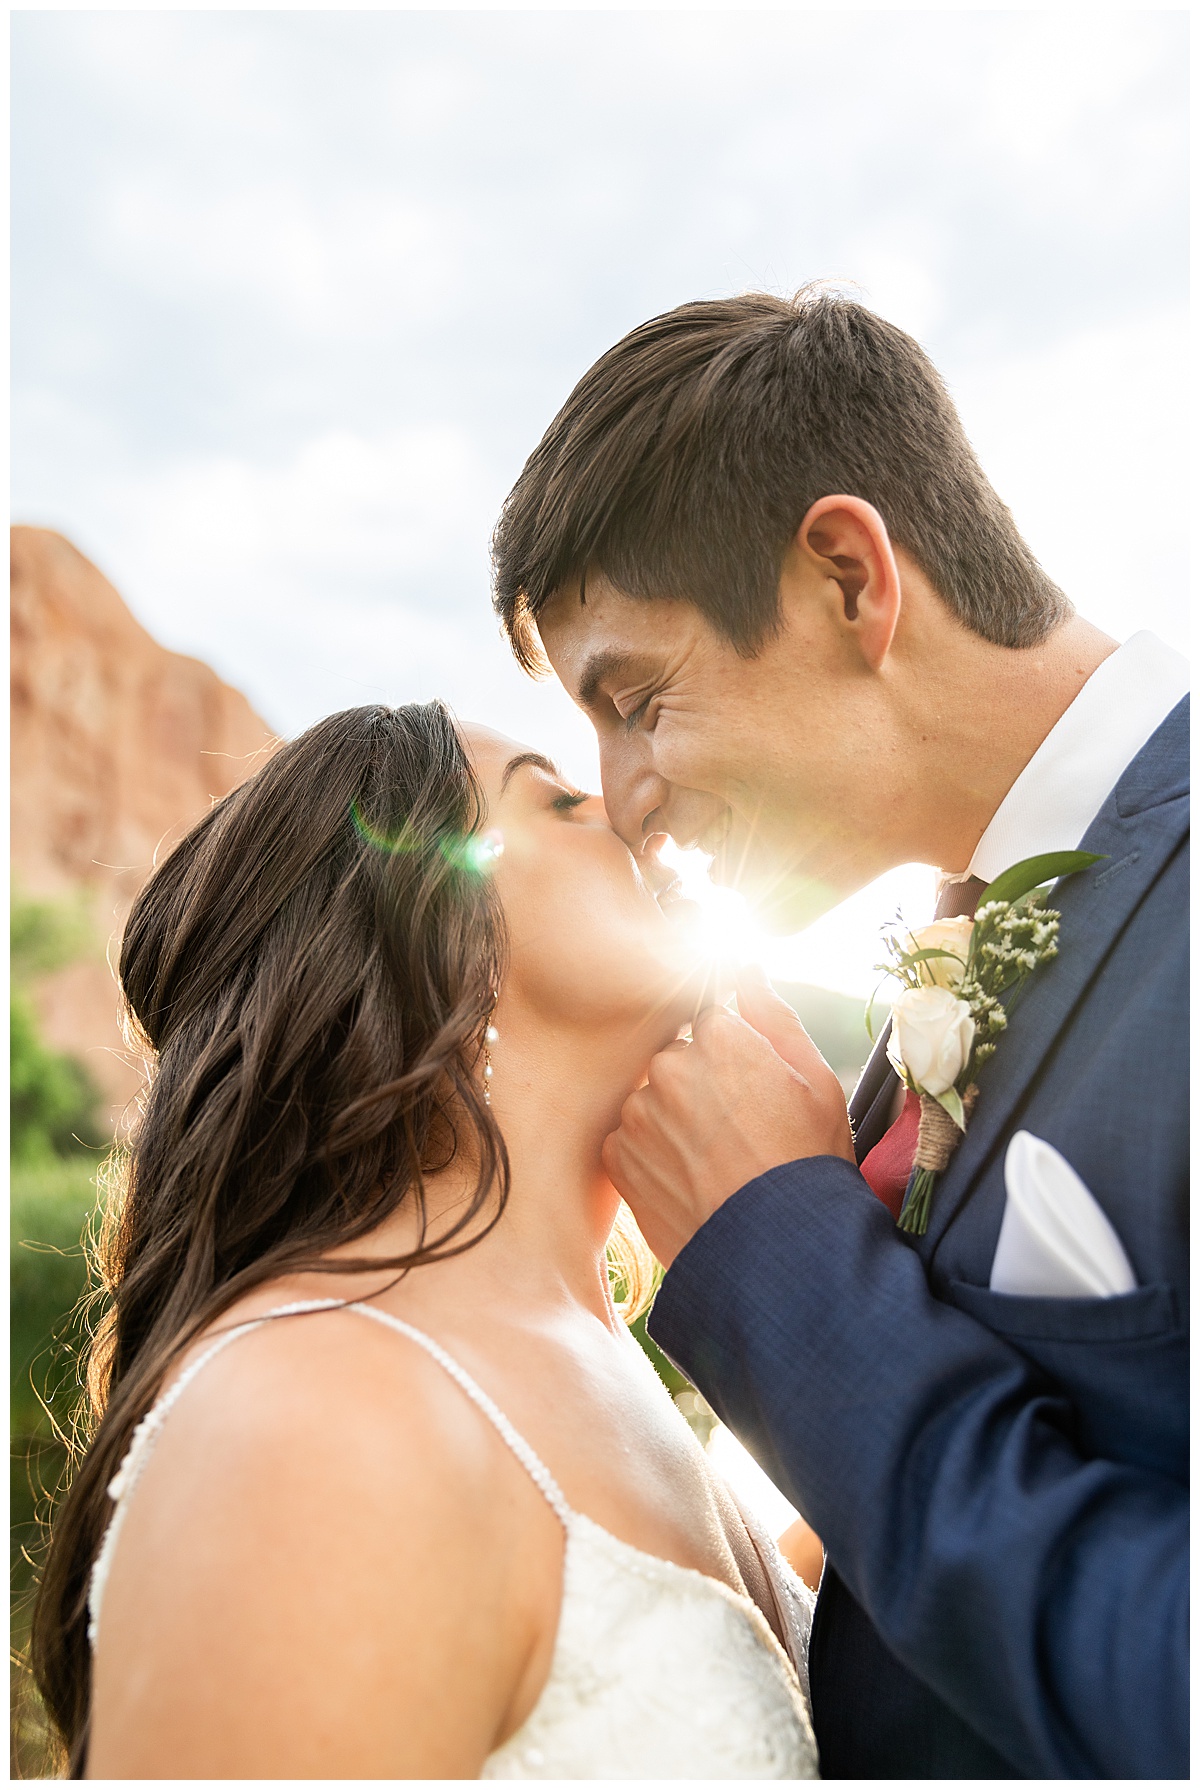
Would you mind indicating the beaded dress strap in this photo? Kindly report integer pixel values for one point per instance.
(536, 1468)
(141, 1444)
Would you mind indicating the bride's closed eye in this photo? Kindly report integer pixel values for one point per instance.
(569, 800)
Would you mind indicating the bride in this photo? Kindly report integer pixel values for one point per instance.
(381, 1486)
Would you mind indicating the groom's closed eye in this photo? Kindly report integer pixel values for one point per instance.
(610, 669)
(637, 714)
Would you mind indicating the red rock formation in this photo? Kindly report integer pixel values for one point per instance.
(117, 747)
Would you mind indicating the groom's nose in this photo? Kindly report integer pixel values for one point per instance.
(643, 807)
(633, 793)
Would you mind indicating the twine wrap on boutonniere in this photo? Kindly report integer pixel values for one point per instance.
(960, 977)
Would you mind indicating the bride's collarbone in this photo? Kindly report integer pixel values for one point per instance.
(585, 1400)
(625, 1458)
(592, 1408)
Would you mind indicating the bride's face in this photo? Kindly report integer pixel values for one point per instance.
(589, 942)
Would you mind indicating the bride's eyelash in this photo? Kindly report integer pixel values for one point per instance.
(568, 800)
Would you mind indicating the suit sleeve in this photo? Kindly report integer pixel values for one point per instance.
(1040, 1593)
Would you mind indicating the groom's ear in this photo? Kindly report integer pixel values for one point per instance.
(845, 542)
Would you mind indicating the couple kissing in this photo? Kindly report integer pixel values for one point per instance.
(378, 1482)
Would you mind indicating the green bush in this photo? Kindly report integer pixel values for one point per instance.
(45, 934)
(51, 1205)
(837, 1025)
(52, 1099)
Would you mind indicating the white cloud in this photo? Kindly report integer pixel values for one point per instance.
(1088, 443)
(363, 261)
(1032, 114)
(232, 558)
(896, 276)
(350, 511)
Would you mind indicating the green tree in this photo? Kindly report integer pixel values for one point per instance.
(52, 1098)
(56, 1144)
(43, 935)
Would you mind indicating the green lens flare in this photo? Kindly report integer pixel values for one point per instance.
(475, 853)
(486, 848)
(404, 840)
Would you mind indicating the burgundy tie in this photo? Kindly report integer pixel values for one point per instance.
(887, 1167)
(959, 898)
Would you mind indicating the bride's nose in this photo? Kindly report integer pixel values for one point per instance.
(657, 875)
(594, 810)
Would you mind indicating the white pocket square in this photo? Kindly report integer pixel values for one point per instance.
(1055, 1242)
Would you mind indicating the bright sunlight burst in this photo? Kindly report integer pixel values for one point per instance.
(838, 951)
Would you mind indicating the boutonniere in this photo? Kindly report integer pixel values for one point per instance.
(959, 980)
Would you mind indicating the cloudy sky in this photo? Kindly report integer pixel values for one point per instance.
(296, 293)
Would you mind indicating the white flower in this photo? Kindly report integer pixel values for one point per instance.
(943, 935)
(931, 1038)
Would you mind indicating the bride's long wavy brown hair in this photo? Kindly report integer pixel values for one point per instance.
(310, 973)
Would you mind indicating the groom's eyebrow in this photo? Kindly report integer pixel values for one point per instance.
(608, 662)
(535, 761)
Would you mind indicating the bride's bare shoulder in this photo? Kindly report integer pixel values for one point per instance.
(330, 1391)
(324, 1510)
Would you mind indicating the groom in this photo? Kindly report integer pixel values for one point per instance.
(758, 550)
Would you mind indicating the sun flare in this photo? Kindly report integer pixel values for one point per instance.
(839, 950)
(725, 926)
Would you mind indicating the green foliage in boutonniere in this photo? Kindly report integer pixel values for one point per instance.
(959, 978)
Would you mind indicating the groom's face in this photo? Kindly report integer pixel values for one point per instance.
(751, 759)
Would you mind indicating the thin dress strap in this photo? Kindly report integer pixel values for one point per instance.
(536, 1468)
(141, 1443)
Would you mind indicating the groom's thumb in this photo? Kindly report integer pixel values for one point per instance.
(769, 1013)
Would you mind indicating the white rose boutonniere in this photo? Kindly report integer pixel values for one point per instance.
(959, 978)
(931, 1038)
(951, 941)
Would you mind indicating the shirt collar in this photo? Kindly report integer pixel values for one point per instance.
(1063, 787)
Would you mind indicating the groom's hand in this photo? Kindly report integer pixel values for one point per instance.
(746, 1095)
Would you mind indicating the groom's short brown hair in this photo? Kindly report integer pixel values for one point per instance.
(686, 458)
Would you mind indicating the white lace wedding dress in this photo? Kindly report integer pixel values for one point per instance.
(658, 1671)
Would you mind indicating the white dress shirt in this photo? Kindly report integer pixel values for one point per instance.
(1055, 1240)
(1063, 787)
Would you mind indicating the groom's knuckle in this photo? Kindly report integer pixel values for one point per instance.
(656, 1075)
(639, 1118)
(707, 1028)
(629, 1119)
(667, 1070)
(730, 1039)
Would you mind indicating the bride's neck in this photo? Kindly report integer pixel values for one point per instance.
(556, 1094)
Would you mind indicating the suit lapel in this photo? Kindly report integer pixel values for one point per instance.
(871, 1101)
(1138, 829)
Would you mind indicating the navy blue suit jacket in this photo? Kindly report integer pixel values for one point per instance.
(1000, 1482)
